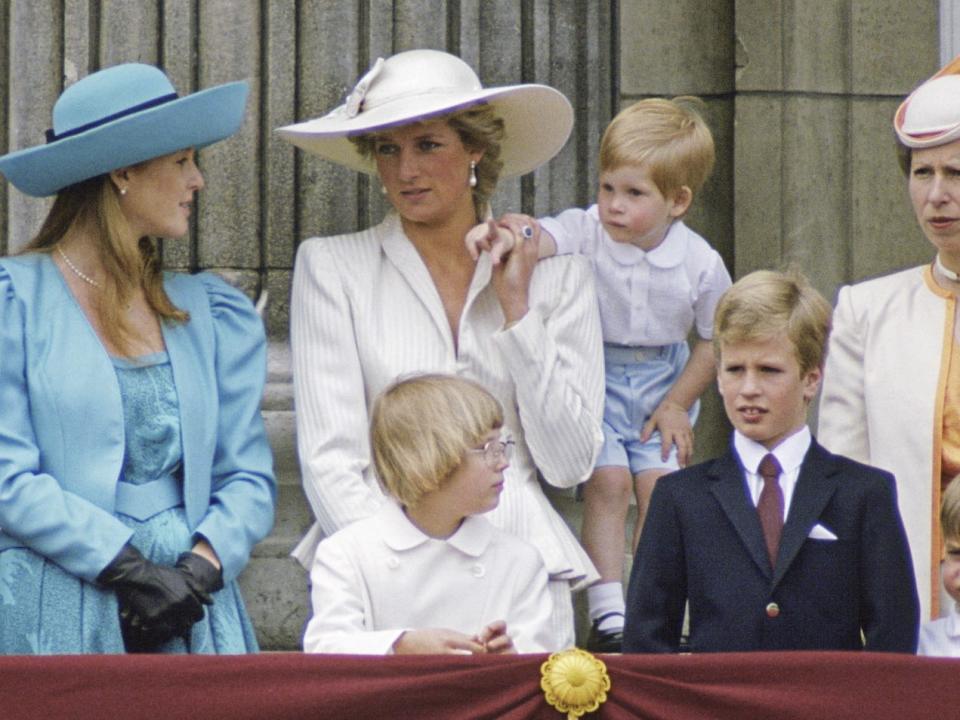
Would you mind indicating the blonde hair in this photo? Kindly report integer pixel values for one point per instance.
(421, 427)
(766, 303)
(669, 138)
(950, 511)
(94, 204)
(480, 130)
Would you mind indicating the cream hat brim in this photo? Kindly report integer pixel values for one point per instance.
(537, 120)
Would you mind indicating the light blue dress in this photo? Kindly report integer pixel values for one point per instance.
(45, 610)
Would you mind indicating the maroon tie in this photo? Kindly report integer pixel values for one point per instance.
(770, 505)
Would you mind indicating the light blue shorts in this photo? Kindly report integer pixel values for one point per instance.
(637, 379)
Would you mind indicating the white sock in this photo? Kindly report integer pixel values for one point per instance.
(603, 598)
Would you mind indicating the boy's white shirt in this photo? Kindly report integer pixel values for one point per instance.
(381, 576)
(789, 453)
(646, 298)
(941, 637)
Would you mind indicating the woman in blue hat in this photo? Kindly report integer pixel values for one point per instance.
(135, 474)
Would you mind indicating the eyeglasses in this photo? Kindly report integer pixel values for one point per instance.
(494, 451)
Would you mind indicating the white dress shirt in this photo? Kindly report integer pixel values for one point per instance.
(789, 453)
(646, 298)
(365, 311)
(941, 637)
(381, 576)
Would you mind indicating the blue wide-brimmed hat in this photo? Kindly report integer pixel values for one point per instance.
(121, 116)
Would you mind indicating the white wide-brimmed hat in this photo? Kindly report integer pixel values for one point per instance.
(930, 115)
(121, 116)
(420, 84)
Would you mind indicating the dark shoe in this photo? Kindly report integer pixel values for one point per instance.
(605, 641)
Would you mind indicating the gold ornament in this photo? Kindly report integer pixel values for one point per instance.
(574, 682)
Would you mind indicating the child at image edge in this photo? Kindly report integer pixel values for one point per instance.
(656, 279)
(941, 637)
(426, 573)
(778, 544)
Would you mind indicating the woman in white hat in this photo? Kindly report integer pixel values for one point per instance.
(135, 475)
(405, 297)
(891, 389)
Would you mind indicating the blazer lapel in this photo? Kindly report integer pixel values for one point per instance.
(815, 486)
(405, 258)
(730, 490)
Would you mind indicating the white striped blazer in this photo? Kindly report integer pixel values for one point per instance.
(365, 311)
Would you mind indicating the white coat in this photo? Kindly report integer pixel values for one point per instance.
(382, 575)
(882, 399)
(365, 311)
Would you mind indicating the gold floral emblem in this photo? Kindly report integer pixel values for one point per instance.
(574, 682)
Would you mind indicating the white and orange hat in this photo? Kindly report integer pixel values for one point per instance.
(930, 115)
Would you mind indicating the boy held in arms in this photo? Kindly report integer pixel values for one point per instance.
(656, 279)
(941, 637)
(426, 573)
(777, 545)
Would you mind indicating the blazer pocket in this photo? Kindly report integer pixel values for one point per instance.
(819, 532)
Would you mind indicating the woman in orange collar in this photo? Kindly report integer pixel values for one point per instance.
(891, 390)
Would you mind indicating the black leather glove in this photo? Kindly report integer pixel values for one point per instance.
(156, 602)
(201, 575)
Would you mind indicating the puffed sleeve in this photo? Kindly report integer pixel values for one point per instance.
(332, 422)
(555, 356)
(713, 283)
(843, 417)
(35, 511)
(243, 488)
(339, 623)
(574, 231)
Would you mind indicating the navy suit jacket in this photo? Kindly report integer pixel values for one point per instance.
(702, 542)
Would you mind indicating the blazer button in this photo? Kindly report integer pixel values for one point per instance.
(773, 610)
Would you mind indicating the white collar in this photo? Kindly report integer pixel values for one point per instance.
(953, 622)
(667, 254)
(789, 453)
(471, 538)
(943, 270)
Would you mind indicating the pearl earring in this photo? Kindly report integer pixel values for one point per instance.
(473, 173)
(123, 191)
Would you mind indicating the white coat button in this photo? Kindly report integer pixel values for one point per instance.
(478, 570)
(393, 562)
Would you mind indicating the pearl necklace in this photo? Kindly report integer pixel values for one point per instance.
(77, 271)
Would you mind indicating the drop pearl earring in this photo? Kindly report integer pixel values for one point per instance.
(473, 173)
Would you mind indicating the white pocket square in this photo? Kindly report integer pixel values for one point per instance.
(819, 532)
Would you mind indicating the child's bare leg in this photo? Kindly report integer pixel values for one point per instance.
(606, 499)
(644, 482)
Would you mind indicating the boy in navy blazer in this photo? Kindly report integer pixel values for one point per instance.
(777, 545)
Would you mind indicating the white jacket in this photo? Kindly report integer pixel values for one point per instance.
(365, 311)
(882, 400)
(382, 575)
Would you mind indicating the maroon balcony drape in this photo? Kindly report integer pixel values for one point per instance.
(749, 685)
